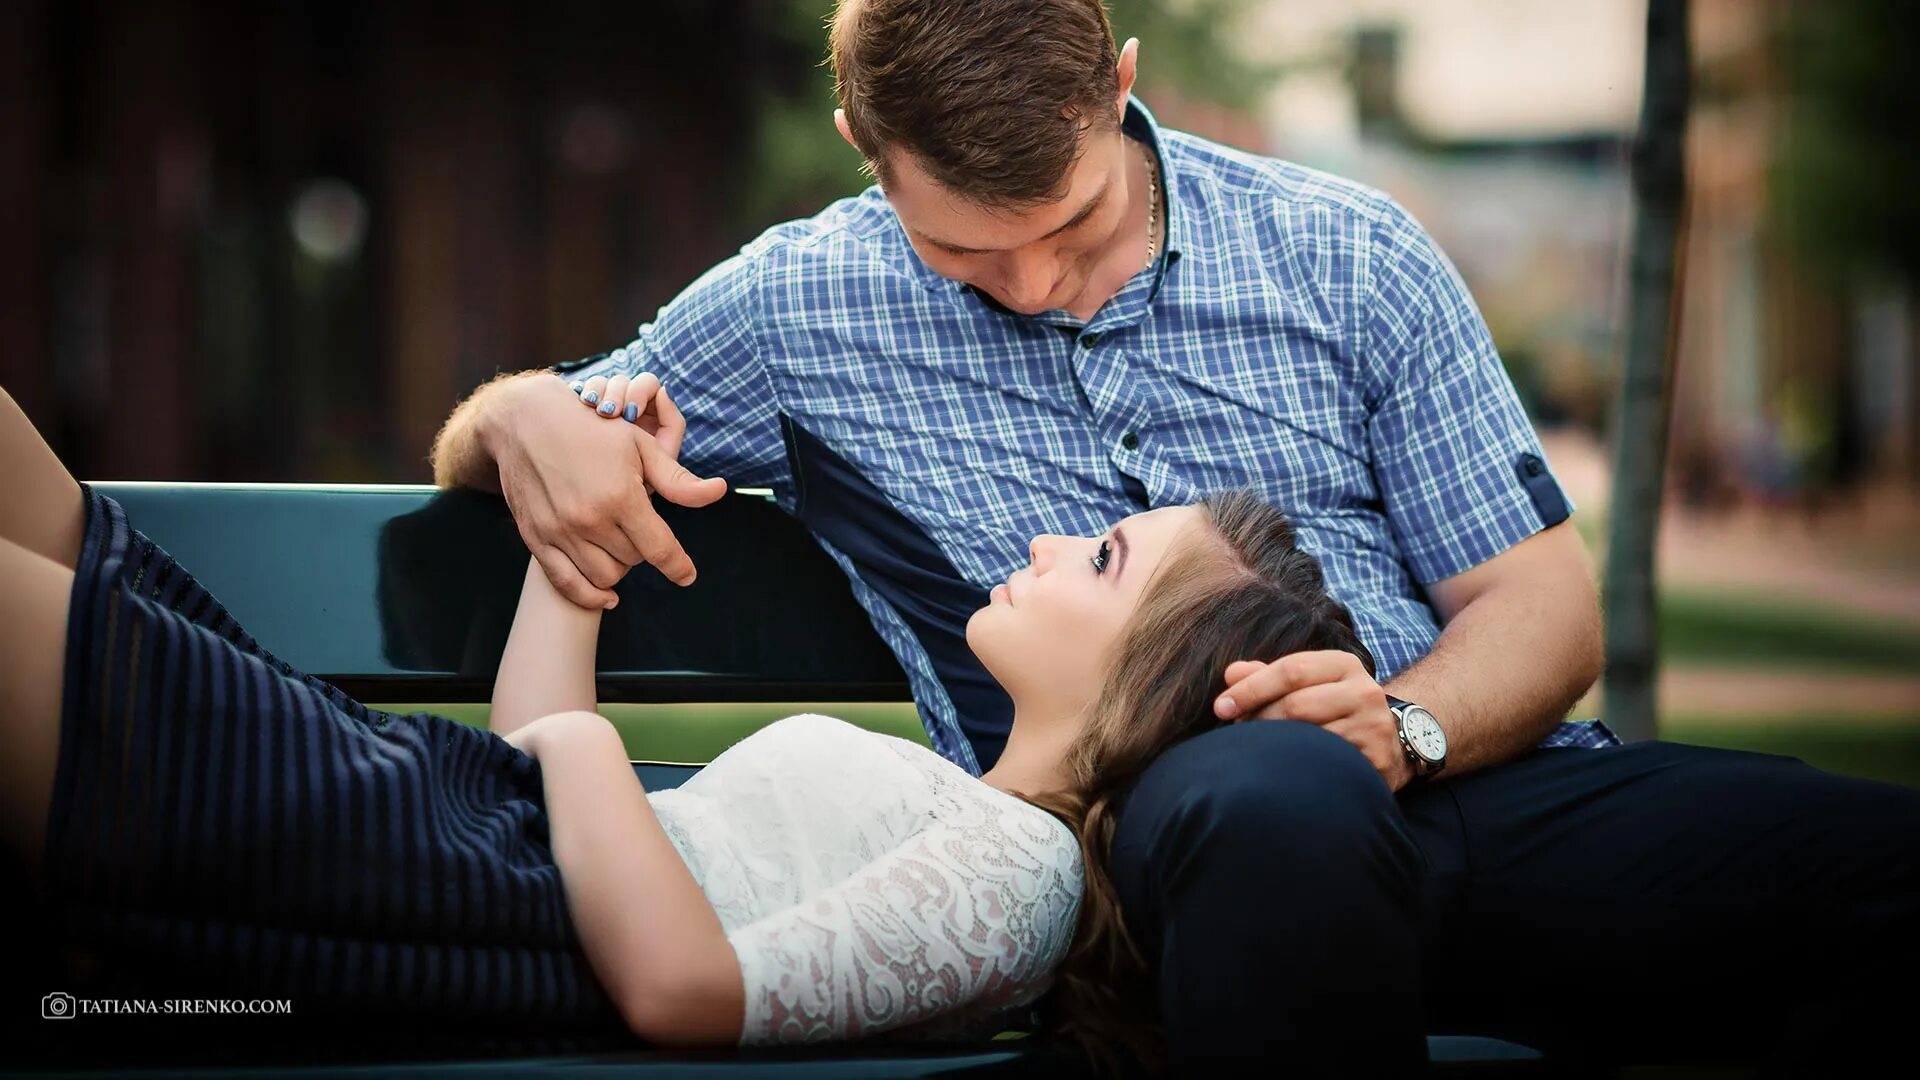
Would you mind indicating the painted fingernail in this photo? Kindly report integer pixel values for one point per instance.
(633, 411)
(1227, 708)
(576, 387)
(591, 397)
(609, 407)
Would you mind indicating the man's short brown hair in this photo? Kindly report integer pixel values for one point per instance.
(990, 96)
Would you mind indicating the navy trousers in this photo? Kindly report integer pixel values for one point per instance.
(1653, 903)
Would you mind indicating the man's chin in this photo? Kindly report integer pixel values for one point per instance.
(1058, 298)
(1024, 309)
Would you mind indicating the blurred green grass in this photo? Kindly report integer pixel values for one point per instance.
(1724, 631)
(1702, 628)
(1883, 748)
(1876, 747)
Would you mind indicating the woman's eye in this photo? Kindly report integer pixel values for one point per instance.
(1099, 558)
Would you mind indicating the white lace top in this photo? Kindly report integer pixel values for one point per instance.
(868, 885)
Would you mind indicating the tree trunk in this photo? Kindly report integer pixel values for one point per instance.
(1641, 419)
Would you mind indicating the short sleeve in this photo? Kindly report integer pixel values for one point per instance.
(955, 922)
(1459, 467)
(702, 346)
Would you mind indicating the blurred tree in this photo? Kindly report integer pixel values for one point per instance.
(1640, 438)
(799, 164)
(1843, 185)
(1841, 202)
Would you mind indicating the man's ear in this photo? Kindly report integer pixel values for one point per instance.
(840, 121)
(1127, 69)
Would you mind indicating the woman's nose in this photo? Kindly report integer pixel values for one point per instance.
(1040, 551)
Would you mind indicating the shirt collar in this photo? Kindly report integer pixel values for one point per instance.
(1140, 124)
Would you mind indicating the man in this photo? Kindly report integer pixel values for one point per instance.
(1050, 313)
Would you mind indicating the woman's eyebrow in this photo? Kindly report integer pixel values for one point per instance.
(1119, 541)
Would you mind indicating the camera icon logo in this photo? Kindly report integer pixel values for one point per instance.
(57, 1006)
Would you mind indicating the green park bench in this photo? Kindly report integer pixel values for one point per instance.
(402, 596)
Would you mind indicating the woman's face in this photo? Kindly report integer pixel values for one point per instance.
(1046, 634)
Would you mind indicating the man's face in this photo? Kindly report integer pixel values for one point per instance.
(1031, 260)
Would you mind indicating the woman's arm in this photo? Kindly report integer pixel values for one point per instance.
(649, 932)
(548, 665)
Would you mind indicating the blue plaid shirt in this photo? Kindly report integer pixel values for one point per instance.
(1299, 334)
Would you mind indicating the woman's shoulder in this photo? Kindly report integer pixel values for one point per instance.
(969, 803)
(832, 734)
(816, 742)
(813, 729)
(807, 743)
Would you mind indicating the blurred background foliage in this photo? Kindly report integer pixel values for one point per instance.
(244, 241)
(1845, 185)
(800, 163)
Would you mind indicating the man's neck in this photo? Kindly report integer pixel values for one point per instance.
(1126, 253)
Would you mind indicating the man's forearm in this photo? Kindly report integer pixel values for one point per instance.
(1505, 670)
(461, 456)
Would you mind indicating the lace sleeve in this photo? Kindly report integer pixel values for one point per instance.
(971, 916)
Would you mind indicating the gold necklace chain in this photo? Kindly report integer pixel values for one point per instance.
(1153, 204)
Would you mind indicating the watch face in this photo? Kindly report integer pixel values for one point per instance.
(1423, 731)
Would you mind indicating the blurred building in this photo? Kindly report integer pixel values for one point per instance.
(1503, 127)
(244, 241)
(1796, 376)
(1506, 128)
(278, 241)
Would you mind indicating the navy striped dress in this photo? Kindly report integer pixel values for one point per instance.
(225, 825)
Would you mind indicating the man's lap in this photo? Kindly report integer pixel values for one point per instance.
(1634, 898)
(1695, 896)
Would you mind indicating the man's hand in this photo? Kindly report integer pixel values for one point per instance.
(578, 490)
(1329, 688)
(640, 400)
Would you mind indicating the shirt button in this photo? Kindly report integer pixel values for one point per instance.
(1088, 341)
(1130, 441)
(1532, 464)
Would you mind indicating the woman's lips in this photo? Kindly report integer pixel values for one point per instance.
(1000, 594)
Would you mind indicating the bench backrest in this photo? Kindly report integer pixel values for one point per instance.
(403, 594)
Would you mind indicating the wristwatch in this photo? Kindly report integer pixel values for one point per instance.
(1421, 737)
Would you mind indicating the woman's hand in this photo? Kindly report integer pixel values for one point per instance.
(587, 526)
(641, 400)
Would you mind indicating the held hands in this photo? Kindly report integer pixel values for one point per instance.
(641, 401)
(1330, 688)
(579, 490)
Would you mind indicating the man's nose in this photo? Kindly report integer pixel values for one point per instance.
(1029, 281)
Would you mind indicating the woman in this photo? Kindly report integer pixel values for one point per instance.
(192, 805)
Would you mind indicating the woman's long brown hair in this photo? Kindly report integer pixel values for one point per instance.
(1244, 592)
